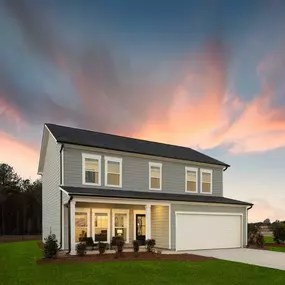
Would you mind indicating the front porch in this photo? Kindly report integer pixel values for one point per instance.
(102, 219)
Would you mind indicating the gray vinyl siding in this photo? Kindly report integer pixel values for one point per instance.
(160, 226)
(208, 209)
(131, 209)
(136, 172)
(51, 194)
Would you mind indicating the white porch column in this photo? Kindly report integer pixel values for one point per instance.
(148, 221)
(72, 226)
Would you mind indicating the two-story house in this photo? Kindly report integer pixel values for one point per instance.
(102, 185)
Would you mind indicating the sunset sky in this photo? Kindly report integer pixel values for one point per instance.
(205, 74)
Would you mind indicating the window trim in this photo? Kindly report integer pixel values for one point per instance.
(104, 211)
(114, 159)
(155, 164)
(201, 180)
(121, 211)
(84, 210)
(193, 169)
(91, 156)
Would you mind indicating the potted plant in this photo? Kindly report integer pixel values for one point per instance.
(150, 244)
(81, 249)
(102, 247)
(136, 247)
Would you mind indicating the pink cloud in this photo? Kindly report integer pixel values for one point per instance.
(10, 113)
(262, 210)
(204, 114)
(19, 155)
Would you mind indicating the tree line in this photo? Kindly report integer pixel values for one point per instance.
(20, 203)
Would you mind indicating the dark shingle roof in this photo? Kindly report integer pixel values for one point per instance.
(110, 193)
(75, 136)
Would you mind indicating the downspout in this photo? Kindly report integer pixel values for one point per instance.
(60, 169)
(247, 208)
(69, 225)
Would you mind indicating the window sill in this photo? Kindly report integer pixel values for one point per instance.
(91, 184)
(114, 186)
(191, 192)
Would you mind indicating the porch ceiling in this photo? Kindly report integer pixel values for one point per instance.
(111, 193)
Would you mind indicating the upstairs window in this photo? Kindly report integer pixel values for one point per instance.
(91, 166)
(206, 181)
(155, 170)
(113, 171)
(191, 179)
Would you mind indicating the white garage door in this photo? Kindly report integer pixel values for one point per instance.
(208, 231)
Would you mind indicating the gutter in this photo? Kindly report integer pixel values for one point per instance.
(250, 207)
(225, 168)
(69, 226)
(60, 170)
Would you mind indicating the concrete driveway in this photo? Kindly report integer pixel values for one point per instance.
(264, 258)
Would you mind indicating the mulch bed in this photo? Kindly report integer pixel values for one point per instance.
(40, 244)
(275, 244)
(127, 256)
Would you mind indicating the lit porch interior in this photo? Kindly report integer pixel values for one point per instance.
(103, 220)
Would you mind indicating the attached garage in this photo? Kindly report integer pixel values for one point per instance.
(209, 230)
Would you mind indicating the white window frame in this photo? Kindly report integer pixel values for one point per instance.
(154, 164)
(91, 156)
(121, 211)
(113, 159)
(201, 180)
(84, 210)
(104, 211)
(193, 169)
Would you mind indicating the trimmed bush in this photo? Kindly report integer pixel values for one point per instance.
(136, 246)
(279, 232)
(102, 247)
(81, 249)
(120, 244)
(51, 247)
(150, 244)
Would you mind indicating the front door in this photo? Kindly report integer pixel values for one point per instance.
(140, 228)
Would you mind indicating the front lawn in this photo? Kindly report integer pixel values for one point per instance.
(268, 239)
(275, 248)
(18, 266)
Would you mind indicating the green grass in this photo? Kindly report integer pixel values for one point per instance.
(18, 266)
(268, 239)
(275, 248)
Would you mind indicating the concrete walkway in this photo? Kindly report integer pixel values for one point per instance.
(263, 258)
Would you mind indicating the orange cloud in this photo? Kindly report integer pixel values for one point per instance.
(203, 114)
(23, 158)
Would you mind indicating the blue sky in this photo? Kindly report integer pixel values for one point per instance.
(204, 74)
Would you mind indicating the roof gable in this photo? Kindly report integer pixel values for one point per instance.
(89, 138)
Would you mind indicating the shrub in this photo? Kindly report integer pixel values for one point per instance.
(253, 228)
(81, 249)
(150, 243)
(256, 239)
(136, 246)
(279, 232)
(120, 244)
(102, 247)
(51, 247)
